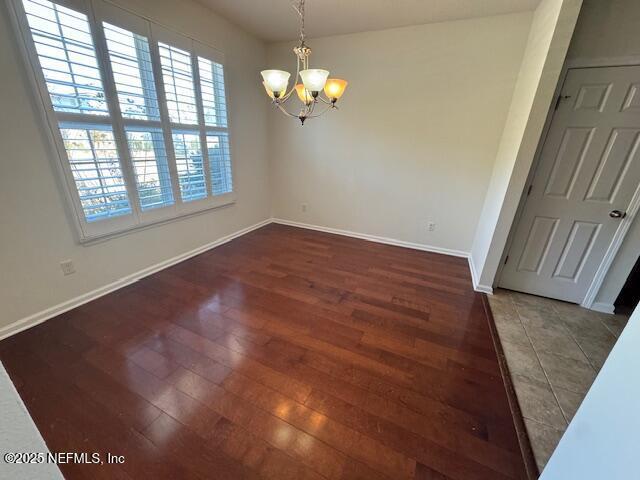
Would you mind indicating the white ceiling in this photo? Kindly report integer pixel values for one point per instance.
(275, 20)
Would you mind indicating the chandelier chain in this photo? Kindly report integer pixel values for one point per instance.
(298, 6)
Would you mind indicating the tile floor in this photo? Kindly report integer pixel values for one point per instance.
(554, 351)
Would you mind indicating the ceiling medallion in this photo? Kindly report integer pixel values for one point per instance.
(314, 81)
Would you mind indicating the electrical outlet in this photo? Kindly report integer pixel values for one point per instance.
(304, 207)
(431, 226)
(67, 267)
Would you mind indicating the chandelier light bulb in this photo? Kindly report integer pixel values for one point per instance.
(303, 94)
(334, 88)
(314, 79)
(276, 81)
(269, 92)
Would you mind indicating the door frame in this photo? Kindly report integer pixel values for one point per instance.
(634, 206)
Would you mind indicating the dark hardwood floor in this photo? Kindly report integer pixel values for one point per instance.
(284, 354)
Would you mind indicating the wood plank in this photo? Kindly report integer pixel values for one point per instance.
(283, 354)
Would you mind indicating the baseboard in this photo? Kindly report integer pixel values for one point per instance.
(44, 315)
(37, 318)
(603, 307)
(374, 238)
(474, 279)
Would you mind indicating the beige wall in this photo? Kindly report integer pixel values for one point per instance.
(607, 28)
(35, 231)
(415, 138)
(620, 268)
(551, 30)
(611, 30)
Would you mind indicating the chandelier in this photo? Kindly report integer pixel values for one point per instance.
(314, 81)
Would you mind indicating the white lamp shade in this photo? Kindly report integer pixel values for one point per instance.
(314, 79)
(276, 80)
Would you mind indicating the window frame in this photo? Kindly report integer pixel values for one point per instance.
(97, 12)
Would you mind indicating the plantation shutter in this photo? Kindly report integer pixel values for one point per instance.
(138, 114)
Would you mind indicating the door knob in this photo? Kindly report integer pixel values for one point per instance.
(617, 214)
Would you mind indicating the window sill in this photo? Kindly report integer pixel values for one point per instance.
(219, 202)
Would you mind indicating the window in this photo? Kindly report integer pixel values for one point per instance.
(212, 87)
(67, 57)
(177, 74)
(130, 59)
(93, 159)
(139, 114)
(220, 162)
(190, 165)
(149, 158)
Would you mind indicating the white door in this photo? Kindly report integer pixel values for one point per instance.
(588, 172)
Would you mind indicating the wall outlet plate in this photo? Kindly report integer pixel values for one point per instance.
(431, 226)
(67, 267)
(304, 207)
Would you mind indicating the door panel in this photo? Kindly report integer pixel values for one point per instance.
(593, 97)
(537, 244)
(632, 100)
(618, 155)
(576, 250)
(575, 144)
(589, 166)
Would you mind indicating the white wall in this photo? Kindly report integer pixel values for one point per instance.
(621, 267)
(551, 30)
(610, 30)
(35, 231)
(415, 138)
(607, 29)
(603, 439)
